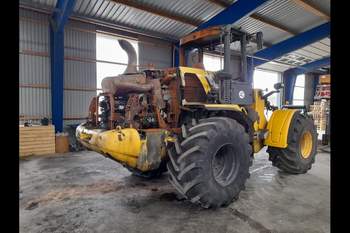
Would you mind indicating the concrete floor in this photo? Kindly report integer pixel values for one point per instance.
(85, 192)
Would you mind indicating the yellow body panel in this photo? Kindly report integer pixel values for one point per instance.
(259, 107)
(260, 124)
(201, 74)
(278, 127)
(123, 145)
(126, 145)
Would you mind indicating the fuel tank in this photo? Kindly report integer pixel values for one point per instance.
(140, 150)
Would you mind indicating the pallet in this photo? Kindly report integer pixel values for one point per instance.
(36, 140)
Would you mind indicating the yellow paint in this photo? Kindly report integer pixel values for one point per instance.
(259, 107)
(169, 139)
(233, 107)
(278, 127)
(201, 74)
(306, 144)
(124, 145)
(260, 124)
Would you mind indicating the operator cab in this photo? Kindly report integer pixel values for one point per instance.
(234, 82)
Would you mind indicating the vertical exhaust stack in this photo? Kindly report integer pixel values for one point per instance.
(130, 80)
(132, 57)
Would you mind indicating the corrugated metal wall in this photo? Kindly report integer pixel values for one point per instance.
(154, 51)
(80, 66)
(34, 64)
(34, 36)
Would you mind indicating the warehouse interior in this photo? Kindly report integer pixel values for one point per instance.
(66, 49)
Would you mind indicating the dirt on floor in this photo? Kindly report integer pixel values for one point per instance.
(85, 192)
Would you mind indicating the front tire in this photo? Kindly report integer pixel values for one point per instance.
(300, 153)
(209, 164)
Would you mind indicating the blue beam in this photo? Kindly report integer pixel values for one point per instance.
(233, 13)
(311, 66)
(57, 22)
(289, 76)
(296, 42)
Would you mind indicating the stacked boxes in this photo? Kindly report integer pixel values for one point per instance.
(325, 79)
(323, 91)
(319, 112)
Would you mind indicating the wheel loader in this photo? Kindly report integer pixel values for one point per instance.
(201, 127)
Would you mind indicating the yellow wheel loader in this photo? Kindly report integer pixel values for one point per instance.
(202, 127)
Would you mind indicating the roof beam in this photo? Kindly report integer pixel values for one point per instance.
(258, 17)
(233, 13)
(312, 9)
(294, 43)
(156, 11)
(310, 66)
(272, 24)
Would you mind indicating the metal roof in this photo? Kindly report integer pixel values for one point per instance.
(173, 19)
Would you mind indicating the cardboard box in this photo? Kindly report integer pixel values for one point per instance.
(62, 144)
(325, 79)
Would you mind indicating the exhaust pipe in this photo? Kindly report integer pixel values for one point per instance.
(132, 57)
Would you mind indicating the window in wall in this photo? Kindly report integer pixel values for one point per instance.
(298, 94)
(212, 62)
(108, 49)
(266, 80)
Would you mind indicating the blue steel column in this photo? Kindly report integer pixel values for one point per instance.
(176, 55)
(289, 79)
(57, 69)
(59, 18)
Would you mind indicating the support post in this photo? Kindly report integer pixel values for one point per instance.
(57, 76)
(57, 22)
(289, 79)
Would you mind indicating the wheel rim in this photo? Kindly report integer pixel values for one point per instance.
(306, 144)
(224, 164)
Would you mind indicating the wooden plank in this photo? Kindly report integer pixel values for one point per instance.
(36, 140)
(33, 140)
(27, 129)
(39, 137)
(27, 134)
(37, 153)
(37, 149)
(30, 145)
(312, 9)
(25, 150)
(37, 143)
(271, 23)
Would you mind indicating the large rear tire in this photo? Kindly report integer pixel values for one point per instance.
(300, 153)
(209, 164)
